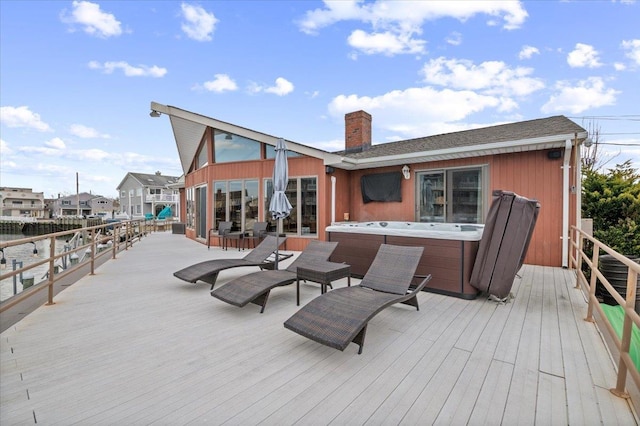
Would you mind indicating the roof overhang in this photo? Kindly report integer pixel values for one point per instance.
(188, 131)
(533, 144)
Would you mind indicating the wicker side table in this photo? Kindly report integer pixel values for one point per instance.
(324, 273)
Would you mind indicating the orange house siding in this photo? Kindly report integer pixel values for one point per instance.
(531, 174)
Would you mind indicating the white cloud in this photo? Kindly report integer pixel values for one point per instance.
(85, 132)
(455, 38)
(582, 56)
(199, 24)
(632, 48)
(4, 148)
(129, 70)
(388, 43)
(490, 77)
(527, 52)
(403, 14)
(93, 20)
(619, 66)
(221, 83)
(281, 88)
(586, 94)
(55, 143)
(22, 117)
(394, 24)
(416, 112)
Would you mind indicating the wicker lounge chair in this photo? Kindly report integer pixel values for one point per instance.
(340, 317)
(263, 256)
(255, 287)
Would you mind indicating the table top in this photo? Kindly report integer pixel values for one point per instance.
(321, 270)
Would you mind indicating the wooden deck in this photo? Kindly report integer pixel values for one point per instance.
(134, 345)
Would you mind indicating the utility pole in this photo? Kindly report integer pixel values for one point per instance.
(77, 195)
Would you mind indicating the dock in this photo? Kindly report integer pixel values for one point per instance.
(132, 344)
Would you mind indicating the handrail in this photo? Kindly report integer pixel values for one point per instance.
(576, 257)
(122, 235)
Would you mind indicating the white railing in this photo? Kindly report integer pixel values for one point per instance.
(21, 219)
(164, 198)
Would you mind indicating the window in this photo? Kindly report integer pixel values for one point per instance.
(452, 195)
(236, 201)
(139, 192)
(190, 208)
(66, 202)
(123, 194)
(201, 159)
(302, 195)
(16, 203)
(155, 191)
(229, 147)
(271, 152)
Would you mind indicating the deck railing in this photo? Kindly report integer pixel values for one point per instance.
(627, 301)
(97, 241)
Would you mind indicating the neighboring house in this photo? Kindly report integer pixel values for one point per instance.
(82, 204)
(148, 194)
(446, 178)
(21, 202)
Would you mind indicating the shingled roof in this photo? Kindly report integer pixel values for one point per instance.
(543, 133)
(153, 180)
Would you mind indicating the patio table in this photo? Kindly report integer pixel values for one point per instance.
(323, 273)
(238, 237)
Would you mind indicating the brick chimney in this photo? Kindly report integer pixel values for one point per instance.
(357, 131)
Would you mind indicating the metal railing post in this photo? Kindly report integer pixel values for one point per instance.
(51, 278)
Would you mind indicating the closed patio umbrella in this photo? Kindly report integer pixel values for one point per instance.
(280, 207)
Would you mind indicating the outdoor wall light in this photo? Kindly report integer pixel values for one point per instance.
(587, 142)
(406, 171)
(228, 137)
(35, 249)
(328, 170)
(3, 261)
(154, 113)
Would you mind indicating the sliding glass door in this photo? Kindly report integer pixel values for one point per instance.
(453, 195)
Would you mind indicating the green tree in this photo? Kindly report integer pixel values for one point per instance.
(612, 200)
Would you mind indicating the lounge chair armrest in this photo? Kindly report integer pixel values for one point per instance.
(284, 256)
(424, 280)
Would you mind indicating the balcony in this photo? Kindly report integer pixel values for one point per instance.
(161, 198)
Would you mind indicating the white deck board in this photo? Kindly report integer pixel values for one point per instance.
(135, 345)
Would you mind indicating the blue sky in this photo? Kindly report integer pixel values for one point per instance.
(77, 77)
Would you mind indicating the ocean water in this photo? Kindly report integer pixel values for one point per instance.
(24, 253)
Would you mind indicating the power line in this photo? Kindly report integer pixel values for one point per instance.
(617, 144)
(621, 133)
(608, 117)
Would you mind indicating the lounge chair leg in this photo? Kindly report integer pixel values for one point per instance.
(261, 301)
(412, 302)
(359, 339)
(211, 279)
(264, 302)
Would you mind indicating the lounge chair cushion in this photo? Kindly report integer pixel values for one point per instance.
(208, 270)
(243, 290)
(335, 318)
(341, 316)
(388, 272)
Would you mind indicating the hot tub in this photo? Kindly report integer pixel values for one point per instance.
(449, 249)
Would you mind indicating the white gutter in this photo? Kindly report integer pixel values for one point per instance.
(333, 200)
(578, 190)
(546, 142)
(565, 203)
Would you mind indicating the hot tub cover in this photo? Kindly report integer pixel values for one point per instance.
(504, 243)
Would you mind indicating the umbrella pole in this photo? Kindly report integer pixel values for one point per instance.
(278, 227)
